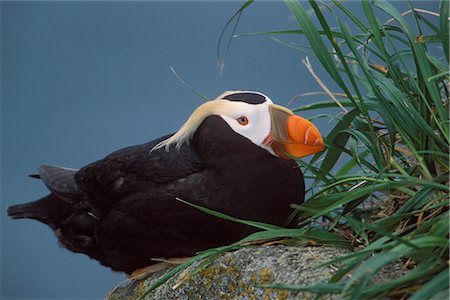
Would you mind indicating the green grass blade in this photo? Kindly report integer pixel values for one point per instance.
(419, 50)
(189, 87)
(320, 288)
(352, 16)
(255, 224)
(316, 42)
(409, 279)
(235, 17)
(444, 26)
(172, 273)
(336, 142)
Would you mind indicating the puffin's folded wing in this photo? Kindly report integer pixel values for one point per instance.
(129, 170)
(60, 181)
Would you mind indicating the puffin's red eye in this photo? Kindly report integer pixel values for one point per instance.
(242, 120)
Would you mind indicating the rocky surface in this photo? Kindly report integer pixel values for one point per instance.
(242, 275)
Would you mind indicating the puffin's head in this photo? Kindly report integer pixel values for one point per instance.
(254, 116)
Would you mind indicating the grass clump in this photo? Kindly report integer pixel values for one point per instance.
(390, 196)
(382, 186)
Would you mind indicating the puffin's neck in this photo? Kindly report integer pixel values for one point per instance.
(214, 140)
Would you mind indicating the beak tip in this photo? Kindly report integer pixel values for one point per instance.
(319, 142)
(293, 134)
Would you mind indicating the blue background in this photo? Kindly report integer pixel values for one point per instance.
(80, 80)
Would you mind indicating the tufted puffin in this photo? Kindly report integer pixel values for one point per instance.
(232, 155)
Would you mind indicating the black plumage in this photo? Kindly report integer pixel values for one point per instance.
(122, 211)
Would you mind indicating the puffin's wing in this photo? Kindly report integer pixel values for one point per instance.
(60, 180)
(129, 170)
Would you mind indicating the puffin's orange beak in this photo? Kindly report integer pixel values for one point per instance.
(291, 134)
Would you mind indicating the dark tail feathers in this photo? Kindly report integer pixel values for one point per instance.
(49, 210)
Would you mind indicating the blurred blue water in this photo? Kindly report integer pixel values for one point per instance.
(80, 80)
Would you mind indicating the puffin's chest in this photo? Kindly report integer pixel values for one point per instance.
(245, 186)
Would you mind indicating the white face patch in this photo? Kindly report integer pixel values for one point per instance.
(249, 120)
(252, 121)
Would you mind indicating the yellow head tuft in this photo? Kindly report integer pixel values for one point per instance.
(184, 134)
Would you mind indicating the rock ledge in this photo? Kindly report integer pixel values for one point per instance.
(241, 275)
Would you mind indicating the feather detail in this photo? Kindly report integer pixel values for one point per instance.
(185, 133)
